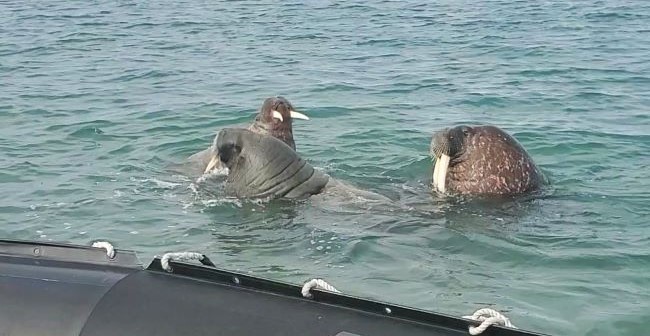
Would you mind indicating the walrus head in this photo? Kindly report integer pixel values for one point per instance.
(446, 144)
(275, 119)
(481, 160)
(262, 166)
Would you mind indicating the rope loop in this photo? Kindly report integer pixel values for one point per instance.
(110, 250)
(183, 256)
(488, 317)
(318, 284)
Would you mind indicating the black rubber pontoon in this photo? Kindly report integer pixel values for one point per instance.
(55, 289)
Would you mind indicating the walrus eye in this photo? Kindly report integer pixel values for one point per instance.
(465, 132)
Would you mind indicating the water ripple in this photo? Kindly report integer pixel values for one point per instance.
(99, 100)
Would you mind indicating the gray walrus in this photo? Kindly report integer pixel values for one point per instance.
(262, 166)
(275, 118)
(482, 160)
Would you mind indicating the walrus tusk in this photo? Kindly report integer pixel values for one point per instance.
(298, 115)
(440, 172)
(213, 163)
(277, 115)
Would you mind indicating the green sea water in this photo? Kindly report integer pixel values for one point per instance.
(98, 98)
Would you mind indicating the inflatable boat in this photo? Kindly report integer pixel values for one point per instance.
(59, 289)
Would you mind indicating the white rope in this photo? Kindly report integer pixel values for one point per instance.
(487, 317)
(316, 283)
(178, 256)
(110, 250)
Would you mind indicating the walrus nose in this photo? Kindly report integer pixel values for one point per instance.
(279, 104)
(224, 156)
(228, 151)
(441, 136)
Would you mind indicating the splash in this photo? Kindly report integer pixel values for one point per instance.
(220, 171)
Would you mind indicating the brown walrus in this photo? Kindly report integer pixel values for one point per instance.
(482, 160)
(274, 118)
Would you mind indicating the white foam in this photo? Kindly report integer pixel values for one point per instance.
(164, 184)
(226, 200)
(221, 171)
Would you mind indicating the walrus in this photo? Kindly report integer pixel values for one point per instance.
(263, 166)
(275, 118)
(482, 160)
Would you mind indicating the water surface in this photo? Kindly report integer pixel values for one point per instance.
(96, 99)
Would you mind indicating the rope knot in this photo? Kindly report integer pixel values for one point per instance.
(487, 317)
(110, 250)
(316, 283)
(179, 256)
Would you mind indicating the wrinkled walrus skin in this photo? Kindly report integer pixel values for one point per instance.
(262, 166)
